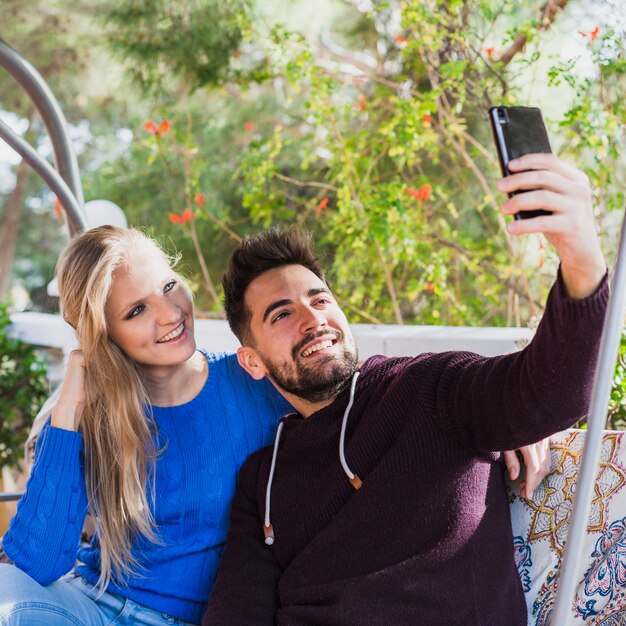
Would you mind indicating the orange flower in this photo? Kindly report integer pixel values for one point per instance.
(594, 33)
(421, 194)
(164, 127)
(399, 39)
(248, 126)
(427, 118)
(183, 218)
(489, 51)
(57, 209)
(430, 287)
(361, 104)
(424, 192)
(321, 206)
(199, 199)
(150, 127)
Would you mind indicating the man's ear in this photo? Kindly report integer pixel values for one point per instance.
(251, 362)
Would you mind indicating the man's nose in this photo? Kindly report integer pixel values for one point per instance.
(312, 319)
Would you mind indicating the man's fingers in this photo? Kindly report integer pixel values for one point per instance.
(546, 161)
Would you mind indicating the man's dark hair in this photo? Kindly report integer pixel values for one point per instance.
(254, 256)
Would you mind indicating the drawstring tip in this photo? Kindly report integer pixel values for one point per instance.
(356, 482)
(268, 531)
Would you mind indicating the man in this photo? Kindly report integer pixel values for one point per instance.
(383, 501)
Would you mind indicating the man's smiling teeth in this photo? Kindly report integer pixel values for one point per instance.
(318, 346)
(175, 333)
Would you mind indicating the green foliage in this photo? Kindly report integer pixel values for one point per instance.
(617, 404)
(193, 41)
(23, 390)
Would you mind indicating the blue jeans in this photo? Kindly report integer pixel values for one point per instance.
(69, 601)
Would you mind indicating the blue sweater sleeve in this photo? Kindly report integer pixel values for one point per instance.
(44, 535)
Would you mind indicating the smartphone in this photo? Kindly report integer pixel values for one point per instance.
(518, 131)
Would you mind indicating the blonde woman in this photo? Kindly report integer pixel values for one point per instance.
(148, 434)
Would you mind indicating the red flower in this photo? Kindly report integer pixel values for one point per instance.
(361, 104)
(421, 194)
(427, 118)
(199, 199)
(399, 39)
(489, 51)
(164, 127)
(591, 35)
(150, 127)
(248, 126)
(424, 192)
(183, 218)
(321, 206)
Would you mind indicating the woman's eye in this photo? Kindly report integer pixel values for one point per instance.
(136, 311)
(169, 286)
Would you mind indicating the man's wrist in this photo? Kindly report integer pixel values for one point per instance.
(581, 283)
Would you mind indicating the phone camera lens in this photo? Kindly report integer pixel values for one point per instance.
(502, 117)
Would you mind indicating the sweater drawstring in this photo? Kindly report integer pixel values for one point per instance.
(268, 530)
(355, 481)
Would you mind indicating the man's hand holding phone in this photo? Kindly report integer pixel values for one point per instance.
(564, 191)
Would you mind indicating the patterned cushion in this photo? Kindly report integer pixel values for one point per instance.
(540, 531)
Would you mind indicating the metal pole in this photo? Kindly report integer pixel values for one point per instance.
(46, 104)
(73, 210)
(570, 574)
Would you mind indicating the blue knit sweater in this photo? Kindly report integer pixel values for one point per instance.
(207, 441)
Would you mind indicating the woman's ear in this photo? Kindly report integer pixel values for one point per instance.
(251, 362)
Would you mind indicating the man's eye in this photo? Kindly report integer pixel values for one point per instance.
(280, 316)
(136, 311)
(169, 286)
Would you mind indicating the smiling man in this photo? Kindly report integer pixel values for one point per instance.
(383, 499)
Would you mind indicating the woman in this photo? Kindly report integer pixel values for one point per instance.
(148, 434)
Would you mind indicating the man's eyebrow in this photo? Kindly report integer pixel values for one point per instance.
(316, 290)
(275, 305)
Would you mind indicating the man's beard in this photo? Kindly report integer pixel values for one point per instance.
(315, 382)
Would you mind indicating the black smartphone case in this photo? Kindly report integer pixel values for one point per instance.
(518, 131)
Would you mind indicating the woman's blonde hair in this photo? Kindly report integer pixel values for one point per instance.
(119, 435)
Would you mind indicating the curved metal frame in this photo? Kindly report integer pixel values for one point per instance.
(56, 125)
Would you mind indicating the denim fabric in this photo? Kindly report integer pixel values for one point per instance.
(69, 601)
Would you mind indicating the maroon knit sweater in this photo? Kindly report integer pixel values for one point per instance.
(427, 539)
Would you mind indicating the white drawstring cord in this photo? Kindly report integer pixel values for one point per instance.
(355, 481)
(268, 531)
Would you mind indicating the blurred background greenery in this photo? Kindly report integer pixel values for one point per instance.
(362, 120)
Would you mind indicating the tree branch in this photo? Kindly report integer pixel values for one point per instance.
(547, 16)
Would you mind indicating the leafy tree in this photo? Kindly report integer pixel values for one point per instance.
(23, 389)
